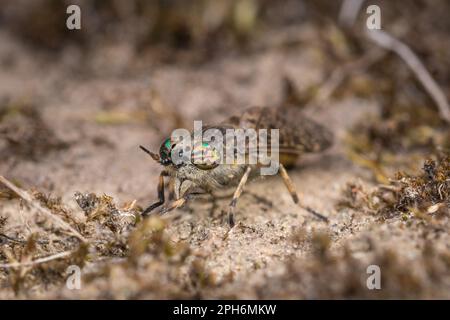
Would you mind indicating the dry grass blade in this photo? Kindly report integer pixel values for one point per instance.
(37, 261)
(349, 12)
(387, 41)
(35, 204)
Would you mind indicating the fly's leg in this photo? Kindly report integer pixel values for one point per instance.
(289, 184)
(171, 187)
(291, 188)
(179, 202)
(184, 191)
(174, 205)
(160, 189)
(236, 195)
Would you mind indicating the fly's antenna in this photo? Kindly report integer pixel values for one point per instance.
(151, 154)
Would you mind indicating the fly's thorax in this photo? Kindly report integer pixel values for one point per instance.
(188, 172)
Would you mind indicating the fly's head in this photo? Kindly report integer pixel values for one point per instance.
(177, 155)
(165, 153)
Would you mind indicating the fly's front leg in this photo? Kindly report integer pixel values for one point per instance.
(236, 195)
(174, 205)
(171, 187)
(182, 194)
(179, 202)
(160, 189)
(291, 188)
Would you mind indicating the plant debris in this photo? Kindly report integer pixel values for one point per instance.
(426, 194)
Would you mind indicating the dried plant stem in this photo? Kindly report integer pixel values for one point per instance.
(11, 239)
(387, 41)
(349, 12)
(37, 261)
(36, 205)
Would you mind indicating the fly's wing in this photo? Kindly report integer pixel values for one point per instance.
(298, 134)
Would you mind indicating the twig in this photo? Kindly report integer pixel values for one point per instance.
(387, 41)
(37, 261)
(349, 12)
(33, 203)
(8, 238)
(17, 240)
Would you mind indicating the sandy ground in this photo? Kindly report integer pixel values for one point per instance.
(105, 158)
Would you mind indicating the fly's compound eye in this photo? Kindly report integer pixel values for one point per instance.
(205, 157)
(164, 152)
(179, 154)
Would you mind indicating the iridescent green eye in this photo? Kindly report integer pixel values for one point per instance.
(164, 152)
(205, 157)
(168, 144)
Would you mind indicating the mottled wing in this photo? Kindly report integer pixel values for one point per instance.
(298, 134)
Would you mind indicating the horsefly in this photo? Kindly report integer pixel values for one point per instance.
(230, 153)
